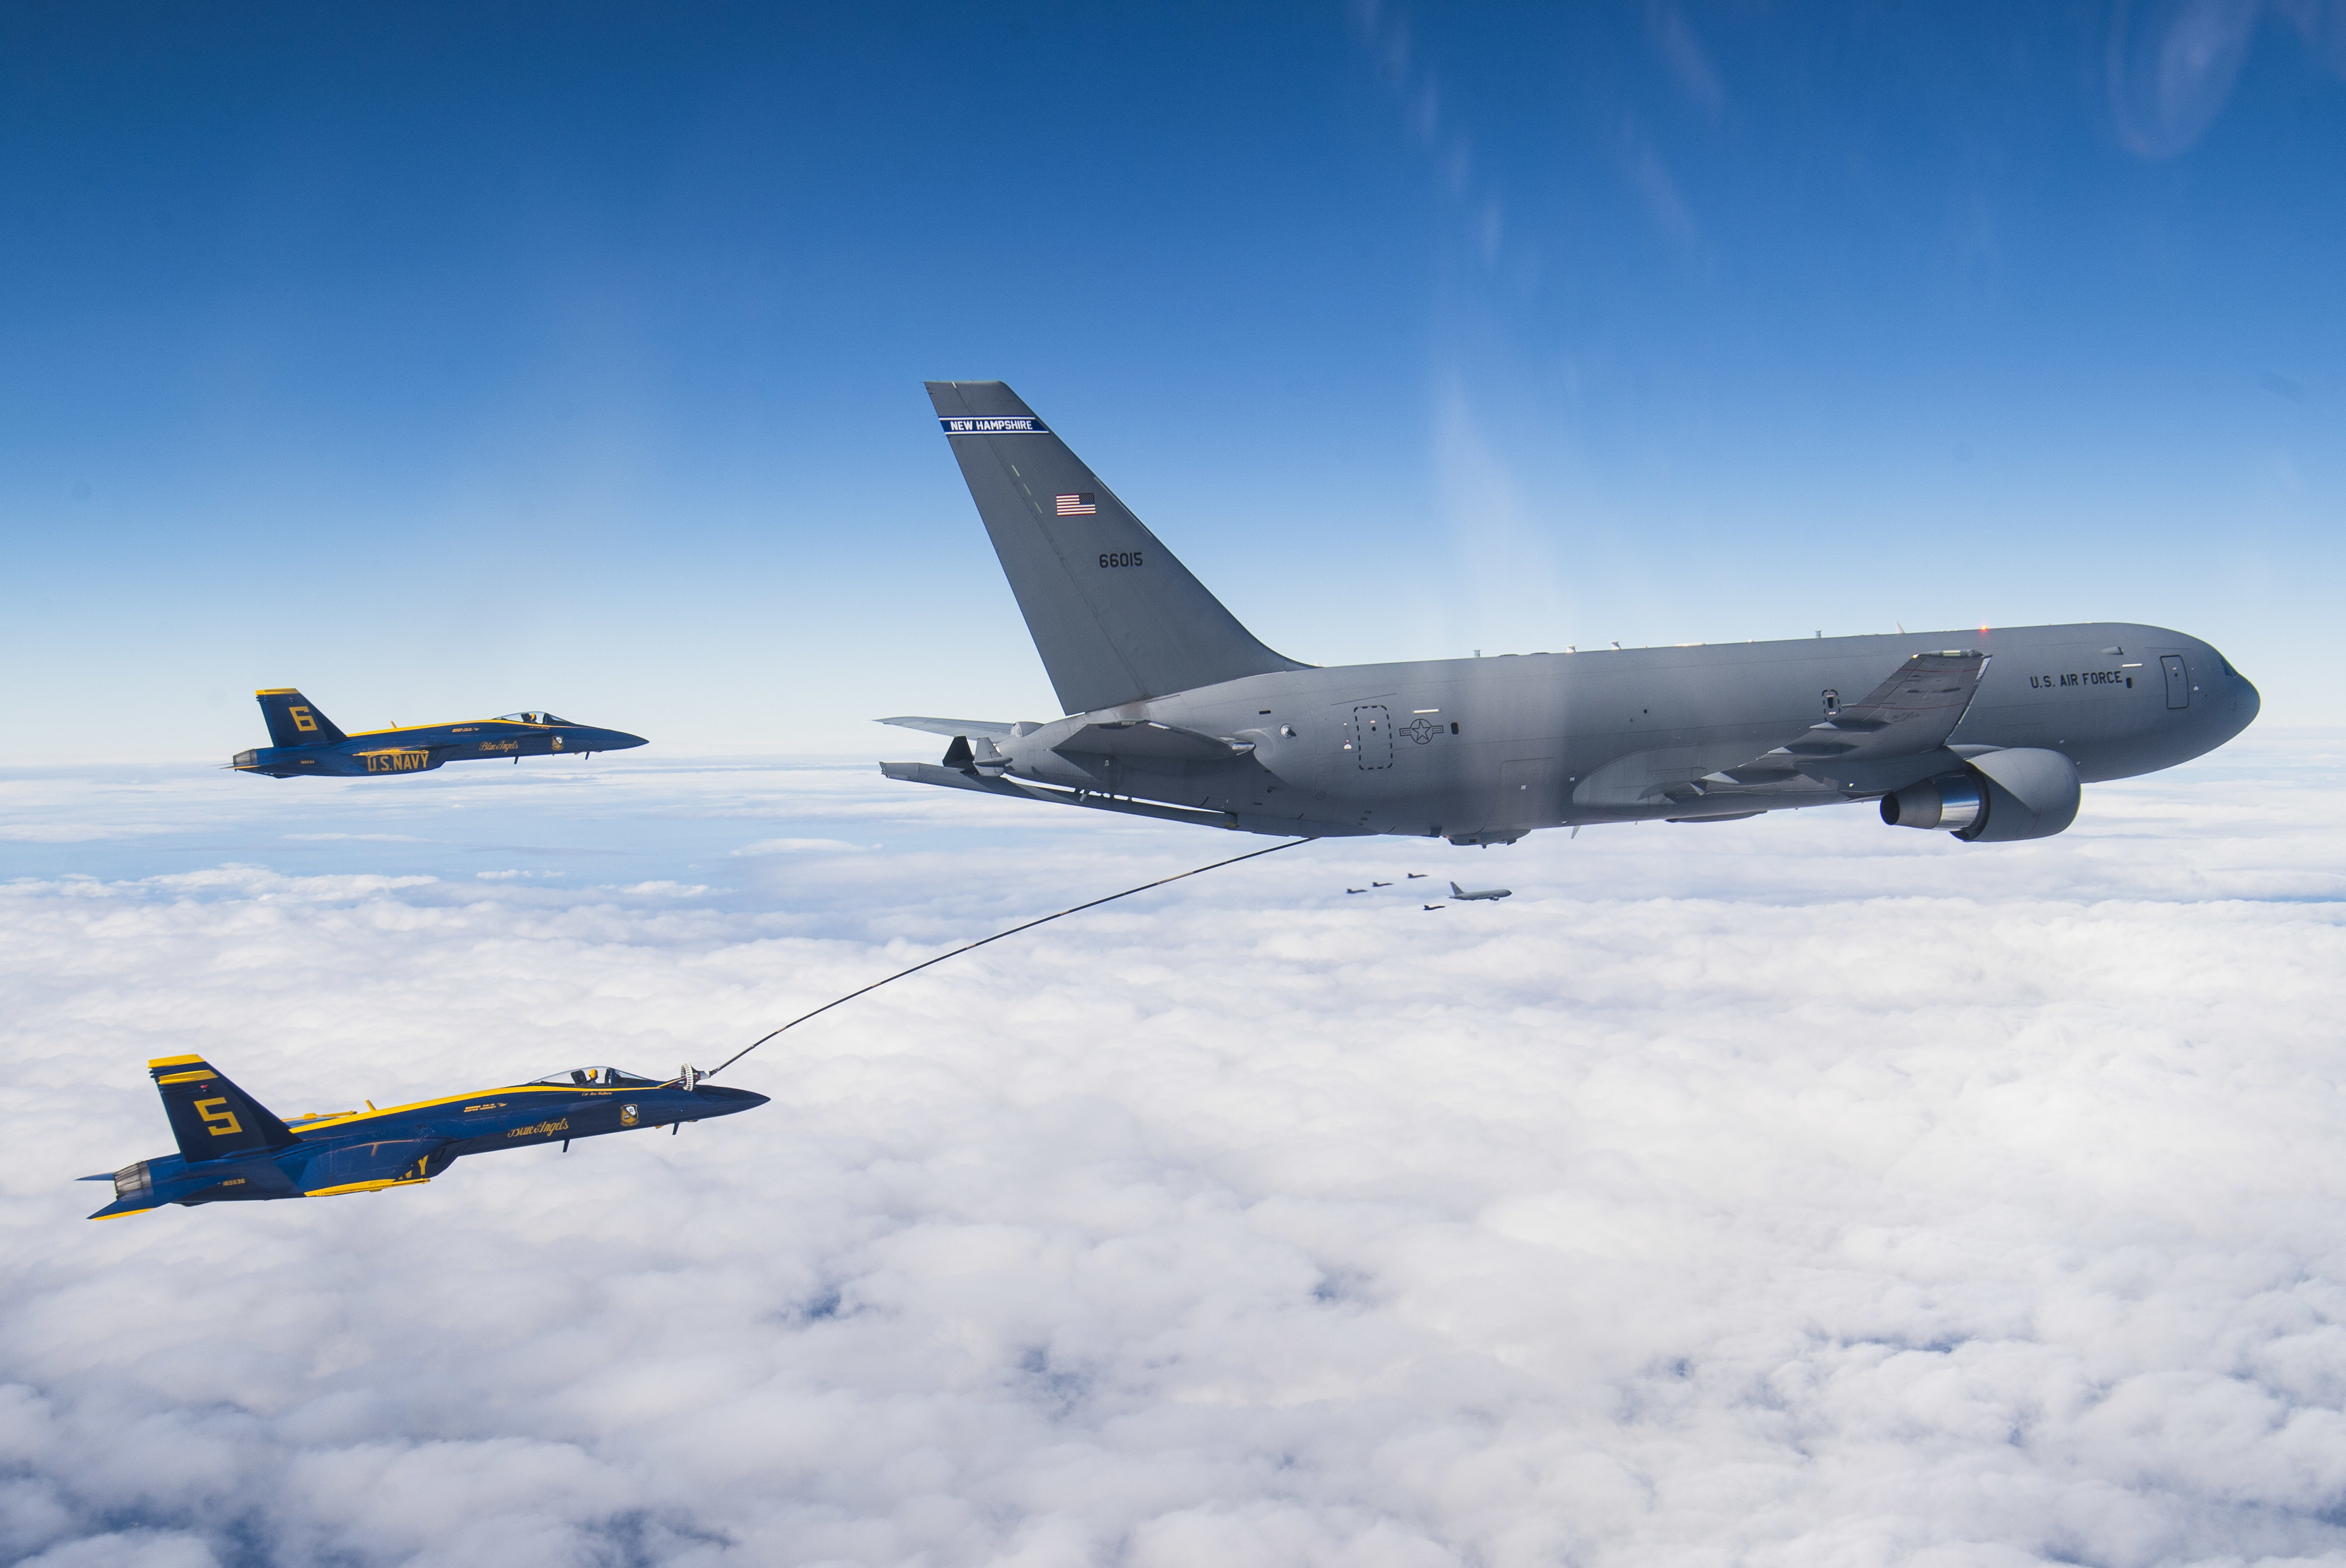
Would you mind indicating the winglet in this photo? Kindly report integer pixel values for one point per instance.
(951, 726)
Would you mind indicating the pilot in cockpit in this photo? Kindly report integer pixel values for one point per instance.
(598, 1078)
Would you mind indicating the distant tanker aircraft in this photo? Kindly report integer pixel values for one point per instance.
(303, 741)
(1174, 710)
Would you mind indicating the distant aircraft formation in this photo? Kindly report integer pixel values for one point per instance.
(302, 742)
(1457, 893)
(232, 1150)
(1174, 710)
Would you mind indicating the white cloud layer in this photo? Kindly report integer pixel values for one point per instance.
(1790, 1192)
(801, 846)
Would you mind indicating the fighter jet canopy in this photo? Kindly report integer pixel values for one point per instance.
(599, 1078)
(533, 717)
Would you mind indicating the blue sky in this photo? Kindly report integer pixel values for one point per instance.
(448, 361)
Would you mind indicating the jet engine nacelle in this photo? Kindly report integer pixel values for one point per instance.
(2024, 793)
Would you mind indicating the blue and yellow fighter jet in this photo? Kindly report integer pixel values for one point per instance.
(232, 1150)
(301, 740)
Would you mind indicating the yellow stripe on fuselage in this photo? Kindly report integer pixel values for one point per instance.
(451, 724)
(344, 1118)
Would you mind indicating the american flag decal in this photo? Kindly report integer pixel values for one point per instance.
(1077, 505)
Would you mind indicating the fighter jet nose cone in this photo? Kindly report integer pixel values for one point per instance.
(725, 1102)
(621, 740)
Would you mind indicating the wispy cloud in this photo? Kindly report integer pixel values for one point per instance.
(803, 847)
(78, 832)
(1473, 201)
(1683, 54)
(1510, 553)
(1649, 177)
(2321, 24)
(360, 838)
(2171, 65)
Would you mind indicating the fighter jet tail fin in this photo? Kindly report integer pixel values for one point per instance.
(1115, 616)
(294, 719)
(210, 1116)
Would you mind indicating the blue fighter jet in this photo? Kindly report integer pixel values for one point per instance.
(232, 1150)
(305, 741)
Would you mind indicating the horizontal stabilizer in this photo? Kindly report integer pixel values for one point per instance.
(1242, 822)
(993, 728)
(1145, 740)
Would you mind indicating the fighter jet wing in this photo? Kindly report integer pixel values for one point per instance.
(949, 727)
(1909, 716)
(351, 1167)
(1145, 738)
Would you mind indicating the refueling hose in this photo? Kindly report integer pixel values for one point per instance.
(998, 936)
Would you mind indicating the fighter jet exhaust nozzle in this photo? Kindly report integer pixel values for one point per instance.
(1952, 803)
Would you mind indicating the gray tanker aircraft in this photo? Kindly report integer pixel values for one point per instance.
(1175, 710)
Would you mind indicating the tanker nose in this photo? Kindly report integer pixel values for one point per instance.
(2237, 701)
